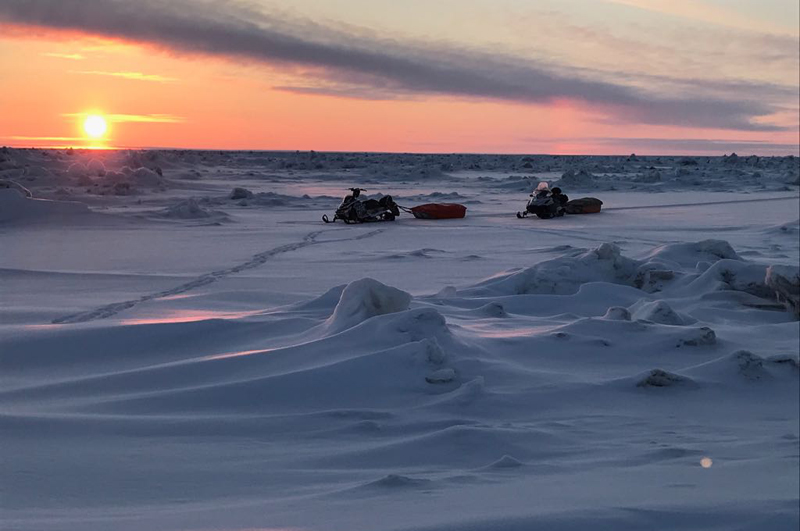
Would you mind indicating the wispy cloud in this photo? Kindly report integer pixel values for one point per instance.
(344, 91)
(686, 56)
(145, 118)
(70, 56)
(45, 138)
(381, 67)
(135, 118)
(702, 11)
(135, 76)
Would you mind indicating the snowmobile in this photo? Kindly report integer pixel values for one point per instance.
(355, 210)
(545, 203)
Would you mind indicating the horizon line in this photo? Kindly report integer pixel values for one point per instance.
(421, 153)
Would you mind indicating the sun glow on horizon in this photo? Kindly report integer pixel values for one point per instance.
(95, 126)
(656, 88)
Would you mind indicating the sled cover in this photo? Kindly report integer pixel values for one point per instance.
(439, 211)
(584, 205)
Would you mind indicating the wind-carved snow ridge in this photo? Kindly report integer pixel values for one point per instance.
(17, 207)
(658, 312)
(675, 269)
(744, 365)
(741, 367)
(191, 209)
(689, 253)
(363, 299)
(661, 378)
(785, 280)
(564, 275)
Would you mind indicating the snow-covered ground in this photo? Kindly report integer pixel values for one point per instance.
(174, 358)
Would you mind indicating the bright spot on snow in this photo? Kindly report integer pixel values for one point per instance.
(706, 462)
(95, 125)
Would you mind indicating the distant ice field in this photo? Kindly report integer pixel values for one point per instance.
(176, 354)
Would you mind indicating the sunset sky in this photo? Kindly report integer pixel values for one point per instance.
(499, 76)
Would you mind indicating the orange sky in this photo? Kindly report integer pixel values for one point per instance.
(159, 96)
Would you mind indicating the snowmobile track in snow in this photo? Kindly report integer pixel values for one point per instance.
(257, 260)
(706, 203)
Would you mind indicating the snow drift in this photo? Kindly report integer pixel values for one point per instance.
(17, 208)
(364, 299)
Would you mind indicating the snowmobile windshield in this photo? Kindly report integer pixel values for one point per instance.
(542, 186)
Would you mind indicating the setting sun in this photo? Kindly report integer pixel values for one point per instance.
(95, 126)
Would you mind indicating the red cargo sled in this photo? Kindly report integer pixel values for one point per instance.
(439, 211)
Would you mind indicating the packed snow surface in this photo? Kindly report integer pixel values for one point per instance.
(184, 345)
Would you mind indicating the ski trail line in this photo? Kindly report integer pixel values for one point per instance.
(657, 206)
(708, 203)
(255, 261)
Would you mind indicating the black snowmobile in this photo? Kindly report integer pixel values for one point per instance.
(355, 210)
(545, 203)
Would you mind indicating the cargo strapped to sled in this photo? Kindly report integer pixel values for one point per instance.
(584, 205)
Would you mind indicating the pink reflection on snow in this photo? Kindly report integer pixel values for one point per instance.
(494, 332)
(188, 316)
(236, 354)
(255, 529)
(45, 326)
